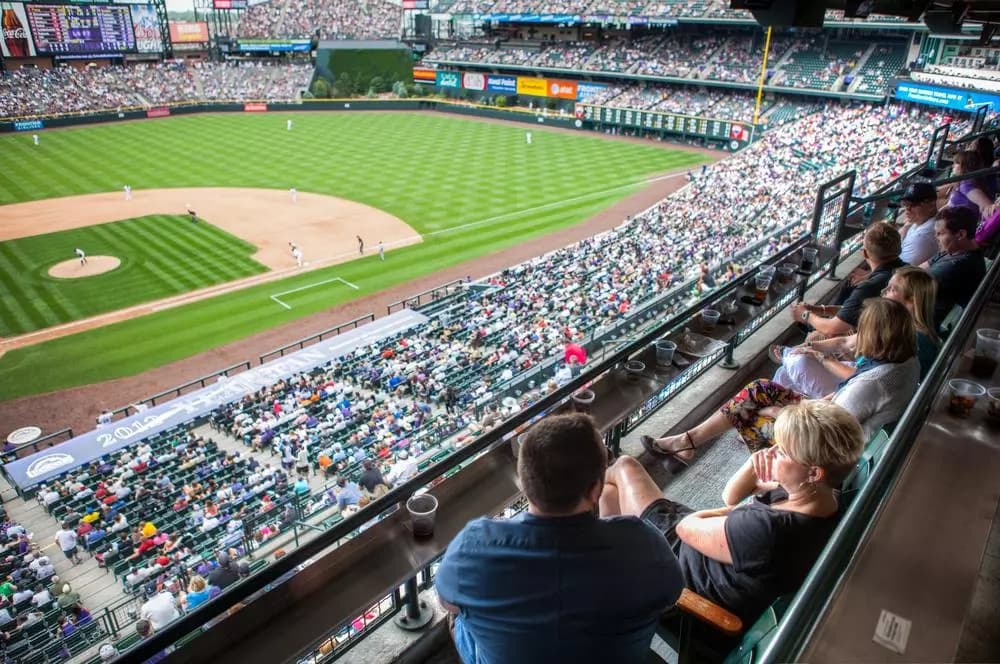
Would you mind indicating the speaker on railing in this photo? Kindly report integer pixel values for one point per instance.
(784, 13)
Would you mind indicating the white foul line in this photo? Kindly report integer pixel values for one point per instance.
(276, 296)
(581, 197)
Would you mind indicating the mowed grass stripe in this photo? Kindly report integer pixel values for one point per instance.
(154, 266)
(432, 171)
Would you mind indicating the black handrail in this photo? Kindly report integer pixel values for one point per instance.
(810, 604)
(300, 344)
(397, 496)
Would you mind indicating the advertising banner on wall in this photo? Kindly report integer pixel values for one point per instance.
(16, 42)
(474, 81)
(160, 112)
(562, 89)
(188, 32)
(274, 45)
(537, 87)
(933, 95)
(449, 79)
(254, 108)
(422, 75)
(28, 125)
(502, 84)
(147, 29)
(586, 90)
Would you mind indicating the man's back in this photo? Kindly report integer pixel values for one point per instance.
(575, 588)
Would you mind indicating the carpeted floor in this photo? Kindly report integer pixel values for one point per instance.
(700, 486)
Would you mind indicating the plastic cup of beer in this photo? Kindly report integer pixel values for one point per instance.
(423, 510)
(709, 319)
(993, 404)
(962, 396)
(762, 284)
(809, 258)
(987, 353)
(767, 270)
(786, 273)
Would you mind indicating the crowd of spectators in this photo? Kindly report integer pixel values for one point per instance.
(962, 77)
(30, 91)
(655, 8)
(327, 19)
(795, 60)
(36, 608)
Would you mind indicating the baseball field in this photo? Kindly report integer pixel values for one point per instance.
(436, 190)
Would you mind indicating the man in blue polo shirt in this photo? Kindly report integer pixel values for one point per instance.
(557, 583)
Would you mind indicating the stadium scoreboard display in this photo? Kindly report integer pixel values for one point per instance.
(66, 29)
(81, 29)
(722, 130)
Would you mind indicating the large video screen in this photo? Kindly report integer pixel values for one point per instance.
(73, 29)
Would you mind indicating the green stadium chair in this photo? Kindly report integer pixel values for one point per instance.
(756, 639)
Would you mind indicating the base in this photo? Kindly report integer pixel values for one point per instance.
(404, 621)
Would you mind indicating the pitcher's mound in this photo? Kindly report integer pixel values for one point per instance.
(72, 269)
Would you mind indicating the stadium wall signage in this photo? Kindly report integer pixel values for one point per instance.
(254, 108)
(953, 98)
(274, 45)
(161, 112)
(28, 125)
(473, 81)
(422, 75)
(449, 79)
(50, 462)
(535, 87)
(188, 32)
(573, 19)
(506, 84)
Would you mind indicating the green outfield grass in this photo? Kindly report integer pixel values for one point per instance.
(161, 255)
(470, 187)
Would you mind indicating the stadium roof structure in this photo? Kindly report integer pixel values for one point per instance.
(945, 17)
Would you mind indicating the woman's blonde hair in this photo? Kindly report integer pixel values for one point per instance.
(197, 584)
(886, 331)
(816, 432)
(920, 288)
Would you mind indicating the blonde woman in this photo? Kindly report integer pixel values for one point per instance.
(198, 592)
(746, 554)
(876, 392)
(811, 368)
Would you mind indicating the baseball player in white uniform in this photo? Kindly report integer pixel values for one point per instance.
(527, 137)
(82, 255)
(381, 250)
(288, 125)
(128, 192)
(34, 139)
(294, 194)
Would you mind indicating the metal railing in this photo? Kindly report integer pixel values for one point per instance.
(352, 324)
(427, 296)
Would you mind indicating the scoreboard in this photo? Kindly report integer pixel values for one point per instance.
(77, 29)
(656, 121)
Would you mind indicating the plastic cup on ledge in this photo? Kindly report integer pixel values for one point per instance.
(986, 356)
(633, 370)
(809, 259)
(583, 400)
(993, 404)
(962, 396)
(762, 284)
(423, 511)
(665, 350)
(709, 319)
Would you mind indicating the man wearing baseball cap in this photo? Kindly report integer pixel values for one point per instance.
(919, 207)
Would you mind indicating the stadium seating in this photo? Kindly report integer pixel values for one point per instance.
(33, 92)
(882, 65)
(336, 19)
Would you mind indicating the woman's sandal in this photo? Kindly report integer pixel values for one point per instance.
(654, 450)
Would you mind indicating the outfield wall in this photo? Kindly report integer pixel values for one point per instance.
(510, 114)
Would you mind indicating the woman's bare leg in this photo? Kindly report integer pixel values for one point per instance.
(716, 425)
(629, 488)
